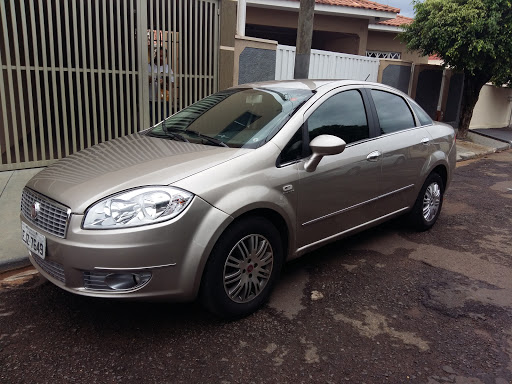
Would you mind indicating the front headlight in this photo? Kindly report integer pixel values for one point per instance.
(141, 206)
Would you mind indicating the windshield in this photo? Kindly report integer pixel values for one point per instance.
(237, 118)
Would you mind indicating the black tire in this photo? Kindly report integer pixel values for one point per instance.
(428, 204)
(253, 274)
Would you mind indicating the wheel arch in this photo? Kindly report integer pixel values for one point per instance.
(442, 171)
(222, 304)
(275, 218)
(440, 164)
(269, 214)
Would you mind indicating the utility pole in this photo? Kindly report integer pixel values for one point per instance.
(304, 38)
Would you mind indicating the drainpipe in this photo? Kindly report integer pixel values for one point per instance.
(240, 28)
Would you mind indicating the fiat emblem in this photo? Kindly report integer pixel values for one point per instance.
(36, 207)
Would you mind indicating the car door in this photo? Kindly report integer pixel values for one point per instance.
(404, 148)
(339, 194)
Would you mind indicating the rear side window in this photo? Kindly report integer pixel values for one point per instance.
(422, 115)
(341, 115)
(393, 112)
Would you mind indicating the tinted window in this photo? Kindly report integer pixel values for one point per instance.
(393, 112)
(422, 115)
(342, 115)
(293, 150)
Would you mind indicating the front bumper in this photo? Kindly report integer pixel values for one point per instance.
(173, 253)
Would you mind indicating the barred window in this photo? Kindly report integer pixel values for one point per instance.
(384, 55)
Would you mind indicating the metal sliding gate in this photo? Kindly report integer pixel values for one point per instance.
(74, 73)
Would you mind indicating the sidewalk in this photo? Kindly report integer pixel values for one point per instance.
(14, 254)
(478, 145)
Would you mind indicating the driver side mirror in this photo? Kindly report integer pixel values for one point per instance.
(323, 145)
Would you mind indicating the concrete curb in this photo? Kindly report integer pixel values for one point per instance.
(11, 265)
(469, 155)
(478, 145)
(492, 133)
(13, 252)
(485, 140)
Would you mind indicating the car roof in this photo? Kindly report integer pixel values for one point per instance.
(308, 84)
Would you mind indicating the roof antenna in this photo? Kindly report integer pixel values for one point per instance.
(367, 77)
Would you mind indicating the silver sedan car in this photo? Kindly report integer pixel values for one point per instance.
(213, 200)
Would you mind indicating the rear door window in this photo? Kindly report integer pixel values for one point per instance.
(393, 112)
(421, 114)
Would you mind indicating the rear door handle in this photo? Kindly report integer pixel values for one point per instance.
(374, 156)
(425, 140)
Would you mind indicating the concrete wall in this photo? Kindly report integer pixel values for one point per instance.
(336, 42)
(389, 42)
(452, 97)
(228, 18)
(352, 32)
(395, 74)
(426, 87)
(493, 108)
(255, 60)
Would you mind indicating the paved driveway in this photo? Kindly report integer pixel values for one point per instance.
(387, 306)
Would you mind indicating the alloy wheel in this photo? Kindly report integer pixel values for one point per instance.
(431, 202)
(248, 268)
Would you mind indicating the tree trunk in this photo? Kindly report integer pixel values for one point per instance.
(472, 86)
(304, 39)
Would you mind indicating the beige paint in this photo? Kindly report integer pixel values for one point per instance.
(228, 20)
(227, 62)
(493, 109)
(327, 23)
(389, 42)
(337, 42)
(242, 42)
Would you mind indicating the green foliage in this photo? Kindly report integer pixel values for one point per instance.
(473, 36)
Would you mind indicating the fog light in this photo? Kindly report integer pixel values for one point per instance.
(122, 281)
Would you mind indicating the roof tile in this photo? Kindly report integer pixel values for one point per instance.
(399, 21)
(364, 4)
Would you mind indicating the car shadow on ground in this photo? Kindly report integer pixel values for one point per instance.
(129, 315)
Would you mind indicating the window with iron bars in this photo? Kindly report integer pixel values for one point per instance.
(384, 55)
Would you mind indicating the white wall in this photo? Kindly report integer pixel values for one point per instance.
(327, 65)
(493, 108)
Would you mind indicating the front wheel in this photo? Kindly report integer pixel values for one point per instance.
(242, 269)
(428, 205)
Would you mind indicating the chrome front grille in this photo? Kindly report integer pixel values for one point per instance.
(51, 217)
(52, 268)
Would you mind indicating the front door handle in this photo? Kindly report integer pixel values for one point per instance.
(374, 156)
(425, 141)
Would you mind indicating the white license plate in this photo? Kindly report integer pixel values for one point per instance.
(34, 241)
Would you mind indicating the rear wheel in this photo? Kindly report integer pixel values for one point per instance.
(428, 205)
(242, 269)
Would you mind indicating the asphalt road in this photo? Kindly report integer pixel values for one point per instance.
(387, 306)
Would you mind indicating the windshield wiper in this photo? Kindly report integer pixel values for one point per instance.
(197, 134)
(173, 135)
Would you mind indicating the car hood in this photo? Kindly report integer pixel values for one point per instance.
(128, 162)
